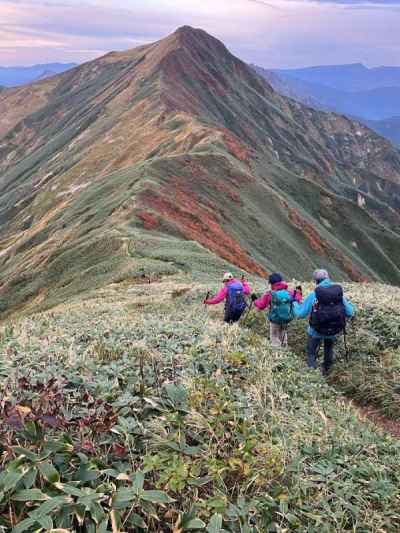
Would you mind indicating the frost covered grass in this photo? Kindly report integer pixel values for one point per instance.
(137, 410)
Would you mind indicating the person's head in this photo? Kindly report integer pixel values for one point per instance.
(275, 277)
(228, 276)
(319, 275)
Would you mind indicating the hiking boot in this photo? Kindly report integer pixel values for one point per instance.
(324, 371)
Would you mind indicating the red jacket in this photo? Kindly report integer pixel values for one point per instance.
(265, 300)
(221, 294)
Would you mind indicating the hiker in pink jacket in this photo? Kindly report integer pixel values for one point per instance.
(233, 292)
(280, 307)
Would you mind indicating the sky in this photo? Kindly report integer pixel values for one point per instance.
(270, 33)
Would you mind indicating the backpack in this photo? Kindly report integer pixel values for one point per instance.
(281, 307)
(328, 316)
(235, 302)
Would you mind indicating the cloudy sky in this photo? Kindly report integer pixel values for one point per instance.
(271, 33)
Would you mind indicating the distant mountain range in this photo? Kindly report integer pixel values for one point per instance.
(369, 95)
(177, 157)
(15, 76)
(349, 78)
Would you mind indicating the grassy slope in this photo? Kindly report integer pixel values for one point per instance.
(102, 237)
(180, 141)
(142, 378)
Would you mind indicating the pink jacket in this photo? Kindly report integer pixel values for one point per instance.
(265, 300)
(221, 294)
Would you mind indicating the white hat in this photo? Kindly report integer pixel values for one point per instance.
(228, 276)
(320, 275)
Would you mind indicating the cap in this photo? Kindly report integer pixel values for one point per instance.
(320, 274)
(275, 277)
(228, 276)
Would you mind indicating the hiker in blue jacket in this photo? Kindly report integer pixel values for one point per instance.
(328, 310)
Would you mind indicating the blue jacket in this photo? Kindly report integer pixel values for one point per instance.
(304, 309)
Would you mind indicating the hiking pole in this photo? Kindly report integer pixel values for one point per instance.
(346, 348)
(206, 298)
(248, 311)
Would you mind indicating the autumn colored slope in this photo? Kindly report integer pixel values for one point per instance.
(174, 157)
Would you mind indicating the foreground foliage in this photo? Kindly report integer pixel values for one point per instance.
(136, 410)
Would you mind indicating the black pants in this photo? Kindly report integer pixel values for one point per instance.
(313, 345)
(231, 317)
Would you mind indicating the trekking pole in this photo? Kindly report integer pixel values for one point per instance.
(248, 311)
(318, 350)
(346, 348)
(207, 296)
(206, 315)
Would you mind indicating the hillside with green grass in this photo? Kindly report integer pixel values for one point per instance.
(135, 409)
(176, 157)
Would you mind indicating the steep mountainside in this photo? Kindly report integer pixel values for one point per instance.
(177, 156)
(368, 106)
(13, 76)
(302, 91)
(389, 128)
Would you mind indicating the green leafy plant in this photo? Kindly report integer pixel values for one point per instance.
(175, 422)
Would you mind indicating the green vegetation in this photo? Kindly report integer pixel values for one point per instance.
(373, 378)
(180, 144)
(135, 409)
(128, 406)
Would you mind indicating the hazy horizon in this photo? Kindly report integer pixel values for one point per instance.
(271, 34)
(266, 67)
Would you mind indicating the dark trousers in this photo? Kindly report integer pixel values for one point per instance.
(231, 317)
(313, 345)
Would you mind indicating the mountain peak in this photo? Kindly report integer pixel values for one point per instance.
(187, 50)
(185, 40)
(190, 37)
(188, 30)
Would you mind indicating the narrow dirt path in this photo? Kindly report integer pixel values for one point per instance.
(392, 427)
(373, 414)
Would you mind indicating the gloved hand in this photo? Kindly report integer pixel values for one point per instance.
(205, 301)
(254, 297)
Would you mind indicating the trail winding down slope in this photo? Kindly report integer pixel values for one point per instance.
(177, 156)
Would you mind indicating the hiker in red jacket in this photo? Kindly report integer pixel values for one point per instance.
(233, 292)
(279, 301)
